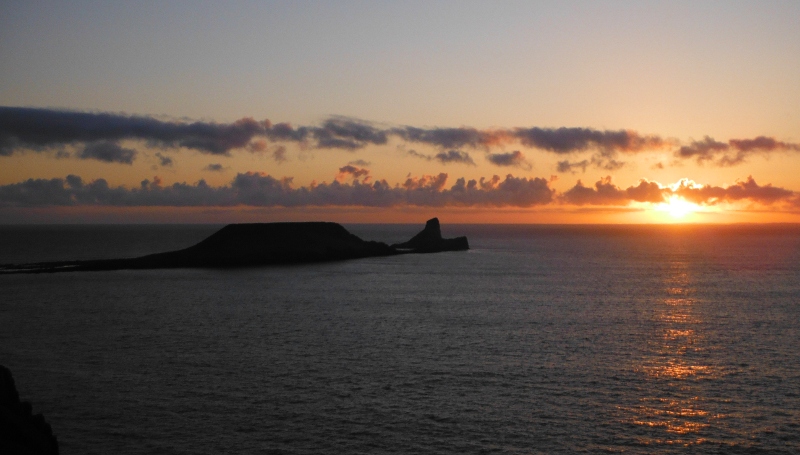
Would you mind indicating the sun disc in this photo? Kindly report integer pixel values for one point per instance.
(678, 208)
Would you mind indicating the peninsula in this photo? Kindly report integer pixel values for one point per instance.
(248, 245)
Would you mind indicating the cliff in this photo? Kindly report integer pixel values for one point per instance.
(246, 245)
(21, 432)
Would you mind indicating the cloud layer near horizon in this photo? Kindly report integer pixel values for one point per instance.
(98, 135)
(262, 190)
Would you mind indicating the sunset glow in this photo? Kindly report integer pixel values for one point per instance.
(340, 112)
(678, 208)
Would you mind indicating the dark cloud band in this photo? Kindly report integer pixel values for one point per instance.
(262, 190)
(258, 189)
(98, 136)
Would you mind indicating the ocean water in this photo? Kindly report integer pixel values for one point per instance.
(540, 339)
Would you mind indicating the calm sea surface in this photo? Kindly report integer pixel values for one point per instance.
(637, 339)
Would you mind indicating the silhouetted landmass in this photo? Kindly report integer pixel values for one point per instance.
(430, 241)
(246, 245)
(21, 432)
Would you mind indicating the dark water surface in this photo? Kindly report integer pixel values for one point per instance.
(637, 339)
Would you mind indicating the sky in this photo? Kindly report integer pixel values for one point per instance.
(475, 112)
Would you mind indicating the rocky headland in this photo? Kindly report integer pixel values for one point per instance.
(21, 431)
(247, 245)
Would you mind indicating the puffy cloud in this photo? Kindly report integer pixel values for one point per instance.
(511, 191)
(607, 193)
(108, 152)
(747, 190)
(646, 191)
(259, 189)
(353, 172)
(512, 159)
(603, 193)
(262, 190)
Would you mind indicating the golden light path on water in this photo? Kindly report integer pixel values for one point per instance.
(675, 409)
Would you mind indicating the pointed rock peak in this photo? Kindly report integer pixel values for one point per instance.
(433, 228)
(430, 240)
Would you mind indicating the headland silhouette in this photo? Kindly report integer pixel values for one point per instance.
(259, 244)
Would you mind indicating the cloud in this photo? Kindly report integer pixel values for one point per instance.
(607, 193)
(747, 190)
(598, 162)
(285, 132)
(164, 160)
(704, 150)
(39, 129)
(361, 163)
(512, 159)
(353, 172)
(557, 140)
(450, 156)
(108, 152)
(570, 140)
(348, 134)
(762, 143)
(512, 191)
(567, 166)
(279, 154)
(262, 190)
(734, 152)
(452, 138)
(454, 156)
(214, 167)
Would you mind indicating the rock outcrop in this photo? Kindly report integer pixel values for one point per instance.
(247, 245)
(22, 432)
(430, 241)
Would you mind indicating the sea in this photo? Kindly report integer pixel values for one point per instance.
(650, 339)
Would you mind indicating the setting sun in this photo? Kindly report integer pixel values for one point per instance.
(678, 208)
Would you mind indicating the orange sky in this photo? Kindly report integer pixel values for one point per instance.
(569, 113)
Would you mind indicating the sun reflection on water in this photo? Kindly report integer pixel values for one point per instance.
(674, 410)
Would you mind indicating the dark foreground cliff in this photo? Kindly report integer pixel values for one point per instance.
(247, 245)
(21, 431)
